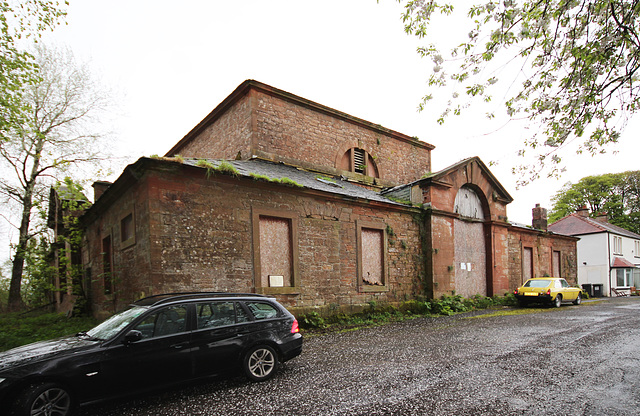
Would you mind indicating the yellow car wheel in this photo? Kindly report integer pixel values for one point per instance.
(557, 301)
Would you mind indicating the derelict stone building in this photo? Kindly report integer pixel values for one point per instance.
(275, 194)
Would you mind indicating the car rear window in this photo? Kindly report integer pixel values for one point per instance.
(537, 283)
(262, 310)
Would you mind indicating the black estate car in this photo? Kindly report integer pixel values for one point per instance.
(159, 341)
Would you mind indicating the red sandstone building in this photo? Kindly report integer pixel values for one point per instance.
(272, 193)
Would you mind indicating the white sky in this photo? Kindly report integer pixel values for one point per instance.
(173, 62)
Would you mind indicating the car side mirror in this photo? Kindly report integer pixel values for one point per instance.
(132, 336)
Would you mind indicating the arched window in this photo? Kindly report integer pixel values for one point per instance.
(359, 161)
(468, 204)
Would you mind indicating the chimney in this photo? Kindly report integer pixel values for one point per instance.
(583, 211)
(539, 221)
(98, 189)
(602, 217)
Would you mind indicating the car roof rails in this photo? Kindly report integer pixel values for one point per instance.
(172, 297)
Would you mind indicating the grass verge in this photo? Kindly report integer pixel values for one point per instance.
(18, 329)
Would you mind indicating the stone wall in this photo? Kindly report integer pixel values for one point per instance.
(542, 245)
(196, 235)
(258, 120)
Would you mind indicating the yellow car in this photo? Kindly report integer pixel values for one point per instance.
(550, 290)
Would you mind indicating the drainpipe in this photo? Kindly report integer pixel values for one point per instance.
(609, 261)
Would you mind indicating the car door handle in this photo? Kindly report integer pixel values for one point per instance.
(180, 345)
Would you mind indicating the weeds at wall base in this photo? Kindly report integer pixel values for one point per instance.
(377, 314)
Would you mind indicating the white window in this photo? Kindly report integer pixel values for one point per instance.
(617, 245)
(636, 249)
(624, 277)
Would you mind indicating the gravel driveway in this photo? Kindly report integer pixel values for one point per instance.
(576, 360)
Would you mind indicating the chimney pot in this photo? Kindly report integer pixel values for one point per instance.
(539, 220)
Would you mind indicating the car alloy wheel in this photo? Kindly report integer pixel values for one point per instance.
(47, 399)
(260, 363)
(578, 300)
(558, 301)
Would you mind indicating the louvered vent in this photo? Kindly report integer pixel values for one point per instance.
(359, 164)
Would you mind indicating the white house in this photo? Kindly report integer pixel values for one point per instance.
(607, 254)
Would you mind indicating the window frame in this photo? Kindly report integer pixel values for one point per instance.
(627, 277)
(131, 240)
(292, 217)
(617, 245)
(108, 284)
(379, 226)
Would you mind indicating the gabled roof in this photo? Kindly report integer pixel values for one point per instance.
(575, 224)
(440, 178)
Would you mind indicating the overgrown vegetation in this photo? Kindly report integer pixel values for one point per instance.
(18, 328)
(223, 167)
(284, 181)
(380, 314)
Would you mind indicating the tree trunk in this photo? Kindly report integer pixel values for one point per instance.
(15, 298)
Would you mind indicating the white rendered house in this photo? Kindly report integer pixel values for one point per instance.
(607, 254)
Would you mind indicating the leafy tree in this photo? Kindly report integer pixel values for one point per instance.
(616, 194)
(569, 65)
(18, 20)
(53, 139)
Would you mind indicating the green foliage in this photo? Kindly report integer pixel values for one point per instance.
(616, 194)
(19, 329)
(222, 167)
(569, 66)
(26, 18)
(377, 314)
(284, 181)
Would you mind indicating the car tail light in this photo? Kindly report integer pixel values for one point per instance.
(548, 291)
(515, 292)
(294, 327)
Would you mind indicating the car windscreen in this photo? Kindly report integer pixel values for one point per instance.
(113, 325)
(537, 283)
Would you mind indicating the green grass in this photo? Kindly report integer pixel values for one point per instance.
(18, 329)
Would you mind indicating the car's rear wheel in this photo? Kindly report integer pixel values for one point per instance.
(44, 399)
(578, 300)
(557, 301)
(260, 363)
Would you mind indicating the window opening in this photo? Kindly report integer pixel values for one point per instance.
(107, 265)
(624, 277)
(275, 252)
(359, 162)
(127, 230)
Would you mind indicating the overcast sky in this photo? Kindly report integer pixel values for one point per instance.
(172, 62)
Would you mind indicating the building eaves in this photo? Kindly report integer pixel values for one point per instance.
(574, 224)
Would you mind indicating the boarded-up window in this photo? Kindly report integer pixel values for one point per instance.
(107, 265)
(555, 259)
(527, 263)
(373, 257)
(275, 251)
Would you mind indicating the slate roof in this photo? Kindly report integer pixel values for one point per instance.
(307, 179)
(575, 224)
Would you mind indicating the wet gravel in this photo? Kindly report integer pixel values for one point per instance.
(576, 360)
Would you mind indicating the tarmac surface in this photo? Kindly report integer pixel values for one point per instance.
(575, 360)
